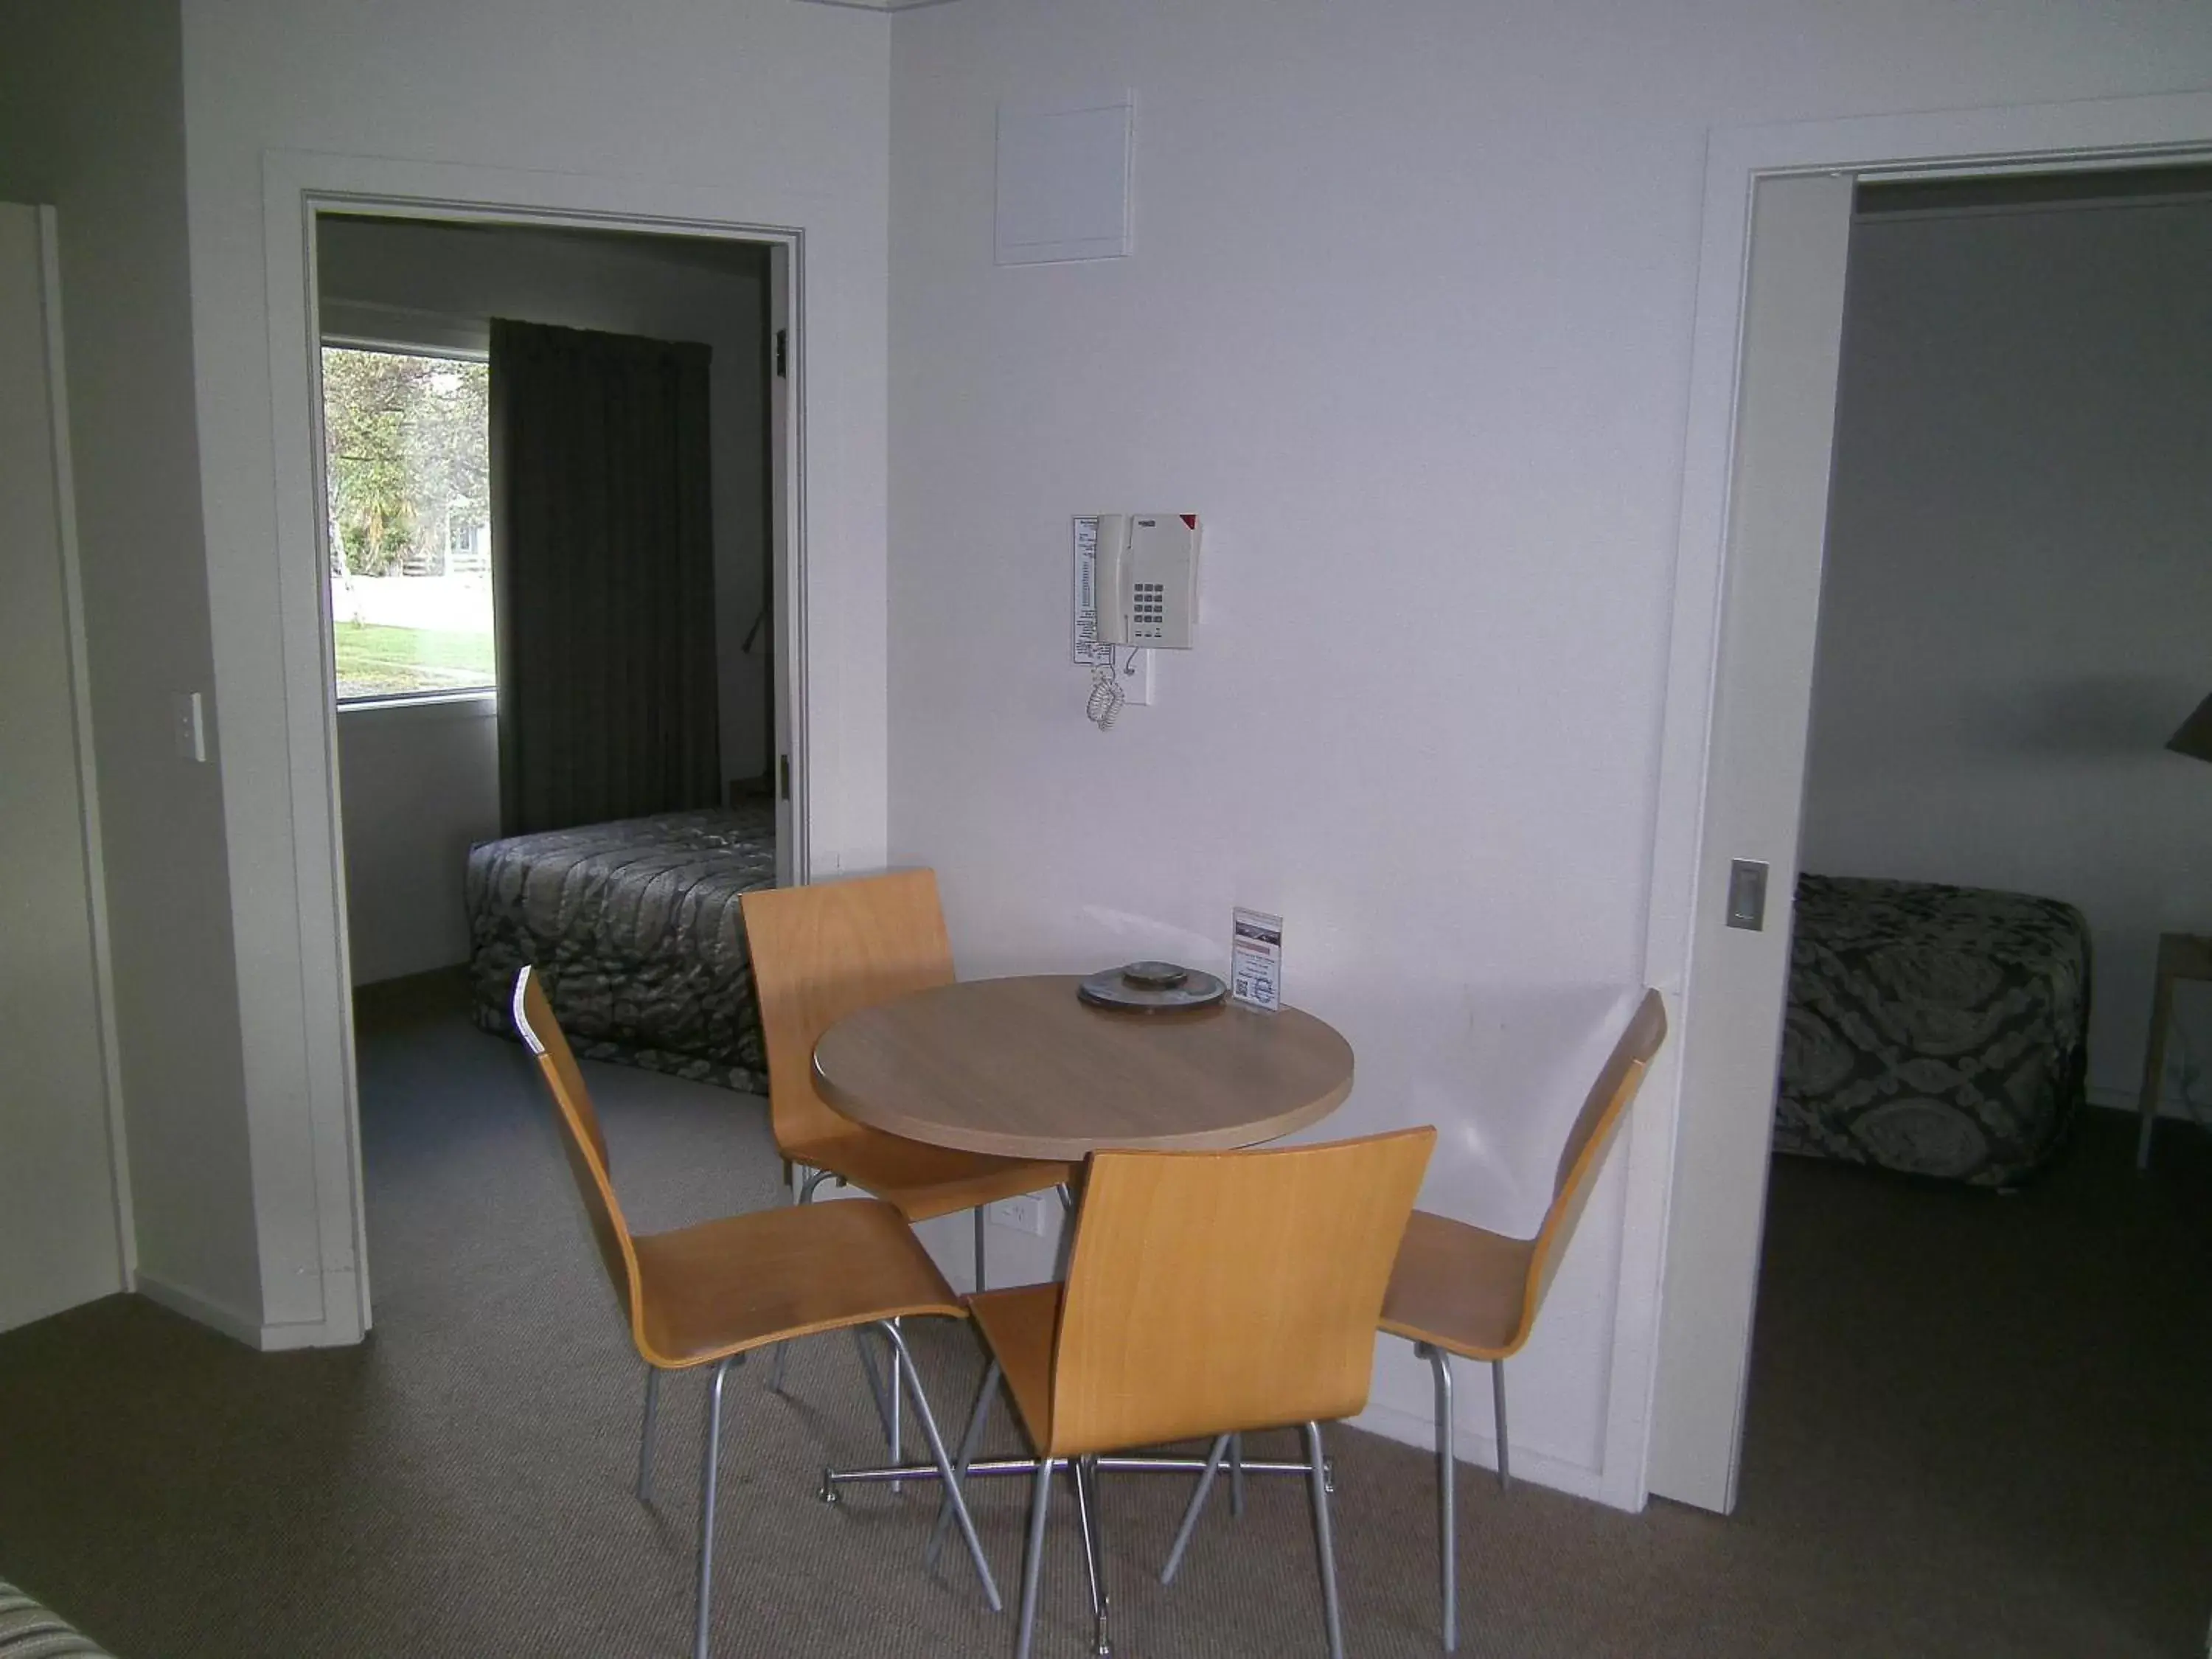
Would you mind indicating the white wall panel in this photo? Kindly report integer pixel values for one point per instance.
(60, 1237)
(765, 112)
(1409, 322)
(92, 120)
(419, 786)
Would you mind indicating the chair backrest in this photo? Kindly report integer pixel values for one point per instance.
(1582, 1157)
(580, 1138)
(1212, 1291)
(820, 953)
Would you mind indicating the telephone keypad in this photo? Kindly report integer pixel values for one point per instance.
(1150, 606)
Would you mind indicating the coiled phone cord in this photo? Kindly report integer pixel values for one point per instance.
(1106, 694)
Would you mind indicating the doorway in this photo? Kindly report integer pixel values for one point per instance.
(405, 310)
(1778, 208)
(398, 285)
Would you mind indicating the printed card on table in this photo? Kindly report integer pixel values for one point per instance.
(1255, 960)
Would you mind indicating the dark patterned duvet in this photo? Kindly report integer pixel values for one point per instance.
(637, 930)
(1937, 1031)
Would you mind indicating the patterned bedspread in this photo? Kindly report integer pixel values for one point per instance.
(637, 930)
(1937, 1031)
(34, 1632)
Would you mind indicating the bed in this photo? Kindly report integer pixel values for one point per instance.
(32, 1630)
(636, 929)
(1940, 1031)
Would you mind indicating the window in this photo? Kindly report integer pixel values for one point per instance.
(408, 467)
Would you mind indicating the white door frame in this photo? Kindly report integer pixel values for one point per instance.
(297, 186)
(1698, 1348)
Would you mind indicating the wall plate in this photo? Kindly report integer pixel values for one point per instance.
(1063, 182)
(1025, 1214)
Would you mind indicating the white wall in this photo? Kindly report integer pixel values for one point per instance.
(60, 1227)
(1411, 303)
(2018, 596)
(1409, 321)
(714, 293)
(92, 120)
(776, 113)
(419, 784)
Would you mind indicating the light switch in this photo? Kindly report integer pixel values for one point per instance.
(1746, 896)
(188, 722)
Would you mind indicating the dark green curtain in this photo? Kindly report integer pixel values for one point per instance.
(603, 572)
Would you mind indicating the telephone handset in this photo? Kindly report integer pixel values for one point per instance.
(1147, 579)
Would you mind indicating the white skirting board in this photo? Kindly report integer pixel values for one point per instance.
(1473, 1446)
(215, 1316)
(236, 1322)
(2122, 1100)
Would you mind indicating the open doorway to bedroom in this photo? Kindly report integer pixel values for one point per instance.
(554, 474)
(2011, 391)
(2012, 623)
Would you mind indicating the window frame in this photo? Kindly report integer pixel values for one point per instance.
(467, 340)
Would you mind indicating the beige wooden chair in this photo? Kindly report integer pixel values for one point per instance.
(1207, 1293)
(1459, 1290)
(709, 1294)
(820, 953)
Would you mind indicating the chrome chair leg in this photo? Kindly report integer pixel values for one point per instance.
(1098, 1526)
(1318, 1482)
(876, 1393)
(1235, 1475)
(953, 1495)
(1497, 1397)
(979, 1247)
(898, 1400)
(970, 1440)
(1033, 1567)
(1447, 1491)
(1084, 1478)
(645, 1435)
(1197, 1504)
(707, 1480)
(805, 1196)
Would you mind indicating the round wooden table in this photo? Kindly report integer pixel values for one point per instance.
(1021, 1068)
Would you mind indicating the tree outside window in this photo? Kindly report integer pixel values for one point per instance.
(409, 469)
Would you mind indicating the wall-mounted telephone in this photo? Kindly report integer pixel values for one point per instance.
(1136, 592)
(1147, 583)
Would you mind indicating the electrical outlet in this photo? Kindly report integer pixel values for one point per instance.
(1025, 1214)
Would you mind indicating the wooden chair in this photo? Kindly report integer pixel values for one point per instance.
(1459, 1290)
(820, 953)
(1207, 1293)
(709, 1294)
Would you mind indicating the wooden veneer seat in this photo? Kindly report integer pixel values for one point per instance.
(820, 953)
(1207, 1293)
(709, 1294)
(1458, 1289)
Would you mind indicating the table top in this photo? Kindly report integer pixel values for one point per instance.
(1021, 1068)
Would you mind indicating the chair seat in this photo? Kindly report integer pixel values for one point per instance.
(1458, 1288)
(925, 1181)
(1019, 1326)
(746, 1280)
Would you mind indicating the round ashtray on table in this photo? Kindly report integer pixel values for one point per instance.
(1152, 988)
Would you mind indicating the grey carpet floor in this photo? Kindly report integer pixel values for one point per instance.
(1979, 1426)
